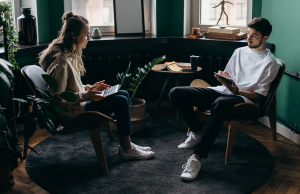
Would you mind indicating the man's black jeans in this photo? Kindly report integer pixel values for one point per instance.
(185, 98)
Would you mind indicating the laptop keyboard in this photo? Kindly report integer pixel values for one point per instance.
(110, 90)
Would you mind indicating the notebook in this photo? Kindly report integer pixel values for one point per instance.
(114, 89)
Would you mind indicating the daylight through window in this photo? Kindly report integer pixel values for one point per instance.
(237, 14)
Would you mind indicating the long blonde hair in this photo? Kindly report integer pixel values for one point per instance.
(72, 25)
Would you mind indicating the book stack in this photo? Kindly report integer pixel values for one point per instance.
(228, 33)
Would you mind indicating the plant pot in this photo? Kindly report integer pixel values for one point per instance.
(138, 115)
(5, 177)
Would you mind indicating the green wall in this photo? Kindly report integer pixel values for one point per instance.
(285, 18)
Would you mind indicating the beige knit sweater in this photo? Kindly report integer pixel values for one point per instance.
(69, 80)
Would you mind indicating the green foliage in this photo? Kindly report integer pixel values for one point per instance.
(8, 31)
(133, 81)
(45, 109)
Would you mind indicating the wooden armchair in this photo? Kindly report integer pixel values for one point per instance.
(89, 120)
(247, 111)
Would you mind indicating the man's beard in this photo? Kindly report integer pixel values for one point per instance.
(256, 46)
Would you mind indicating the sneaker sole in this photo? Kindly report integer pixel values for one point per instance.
(187, 179)
(135, 158)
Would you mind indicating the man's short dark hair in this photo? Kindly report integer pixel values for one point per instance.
(262, 25)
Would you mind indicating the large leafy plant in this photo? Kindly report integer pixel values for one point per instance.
(44, 109)
(8, 32)
(134, 80)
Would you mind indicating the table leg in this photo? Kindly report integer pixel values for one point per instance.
(178, 116)
(160, 98)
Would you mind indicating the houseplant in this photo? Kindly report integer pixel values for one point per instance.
(44, 112)
(131, 84)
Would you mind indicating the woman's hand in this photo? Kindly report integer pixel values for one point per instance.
(95, 95)
(100, 86)
(231, 87)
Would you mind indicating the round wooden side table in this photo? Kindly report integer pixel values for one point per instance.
(169, 74)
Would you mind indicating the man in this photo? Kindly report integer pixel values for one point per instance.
(252, 69)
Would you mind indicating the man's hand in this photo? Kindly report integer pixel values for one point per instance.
(224, 73)
(95, 95)
(231, 87)
(100, 86)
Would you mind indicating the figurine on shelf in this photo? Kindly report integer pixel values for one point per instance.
(195, 33)
(223, 2)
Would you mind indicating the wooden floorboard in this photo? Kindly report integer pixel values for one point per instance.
(285, 178)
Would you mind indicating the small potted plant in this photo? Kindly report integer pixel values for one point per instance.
(44, 112)
(131, 83)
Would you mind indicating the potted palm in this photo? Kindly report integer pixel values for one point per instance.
(44, 113)
(131, 84)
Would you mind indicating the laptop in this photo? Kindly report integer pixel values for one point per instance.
(115, 89)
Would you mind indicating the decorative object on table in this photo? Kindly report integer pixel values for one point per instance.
(222, 3)
(131, 83)
(224, 30)
(194, 62)
(27, 27)
(129, 18)
(96, 34)
(236, 36)
(195, 33)
(9, 144)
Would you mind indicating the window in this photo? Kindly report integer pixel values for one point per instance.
(206, 13)
(100, 13)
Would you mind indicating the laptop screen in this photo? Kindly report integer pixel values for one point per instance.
(124, 76)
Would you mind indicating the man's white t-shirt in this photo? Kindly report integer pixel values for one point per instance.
(251, 71)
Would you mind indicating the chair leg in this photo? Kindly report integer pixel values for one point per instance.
(109, 131)
(97, 143)
(25, 148)
(232, 130)
(26, 143)
(272, 118)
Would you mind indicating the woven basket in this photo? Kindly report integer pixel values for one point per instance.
(138, 115)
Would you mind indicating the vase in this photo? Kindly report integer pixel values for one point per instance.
(27, 27)
(138, 115)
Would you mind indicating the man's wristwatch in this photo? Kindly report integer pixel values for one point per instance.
(236, 90)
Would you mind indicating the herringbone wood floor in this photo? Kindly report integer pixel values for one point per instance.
(284, 179)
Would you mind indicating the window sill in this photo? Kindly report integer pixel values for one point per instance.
(148, 39)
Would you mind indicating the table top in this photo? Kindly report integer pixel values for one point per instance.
(158, 66)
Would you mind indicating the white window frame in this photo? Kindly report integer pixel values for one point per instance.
(110, 29)
(194, 10)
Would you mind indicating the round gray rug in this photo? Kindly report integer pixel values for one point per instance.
(68, 164)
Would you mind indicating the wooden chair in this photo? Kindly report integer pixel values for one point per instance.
(247, 112)
(89, 120)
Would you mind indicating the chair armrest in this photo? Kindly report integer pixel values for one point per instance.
(244, 111)
(199, 83)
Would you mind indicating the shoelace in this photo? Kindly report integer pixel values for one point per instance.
(190, 165)
(191, 135)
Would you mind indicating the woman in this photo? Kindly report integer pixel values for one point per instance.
(62, 59)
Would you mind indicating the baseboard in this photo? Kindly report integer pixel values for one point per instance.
(281, 129)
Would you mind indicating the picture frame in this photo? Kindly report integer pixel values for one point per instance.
(129, 18)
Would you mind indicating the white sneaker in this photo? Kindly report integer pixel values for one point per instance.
(141, 148)
(191, 141)
(134, 153)
(191, 169)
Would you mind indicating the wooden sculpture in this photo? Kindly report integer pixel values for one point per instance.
(223, 10)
